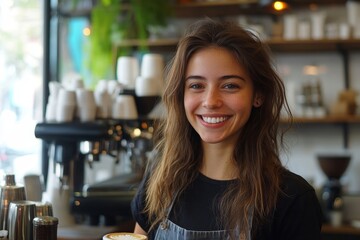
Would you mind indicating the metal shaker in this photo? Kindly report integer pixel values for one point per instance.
(45, 228)
(9, 192)
(20, 220)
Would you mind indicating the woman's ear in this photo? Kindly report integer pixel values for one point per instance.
(258, 100)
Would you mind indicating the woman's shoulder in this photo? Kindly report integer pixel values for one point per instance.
(294, 184)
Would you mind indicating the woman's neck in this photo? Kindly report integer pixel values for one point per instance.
(218, 162)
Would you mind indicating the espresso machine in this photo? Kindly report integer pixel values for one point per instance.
(73, 146)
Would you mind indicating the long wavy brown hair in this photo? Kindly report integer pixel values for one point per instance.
(257, 149)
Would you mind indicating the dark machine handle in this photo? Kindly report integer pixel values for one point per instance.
(72, 131)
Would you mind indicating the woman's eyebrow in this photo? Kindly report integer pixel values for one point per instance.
(225, 77)
(233, 76)
(198, 77)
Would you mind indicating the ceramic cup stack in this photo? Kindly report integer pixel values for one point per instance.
(290, 27)
(51, 107)
(85, 105)
(66, 105)
(353, 15)
(317, 25)
(124, 107)
(127, 70)
(105, 93)
(150, 81)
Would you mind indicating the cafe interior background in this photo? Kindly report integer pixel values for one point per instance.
(331, 67)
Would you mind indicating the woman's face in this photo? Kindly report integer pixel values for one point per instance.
(219, 95)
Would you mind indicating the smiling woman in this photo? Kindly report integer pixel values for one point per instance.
(20, 85)
(218, 174)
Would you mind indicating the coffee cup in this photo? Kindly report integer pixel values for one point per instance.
(103, 104)
(147, 86)
(124, 236)
(152, 65)
(66, 97)
(86, 106)
(124, 107)
(65, 106)
(127, 70)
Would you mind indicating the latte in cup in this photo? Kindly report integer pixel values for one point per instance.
(124, 236)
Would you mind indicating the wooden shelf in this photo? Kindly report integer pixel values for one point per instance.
(277, 45)
(281, 45)
(327, 119)
(216, 3)
(150, 43)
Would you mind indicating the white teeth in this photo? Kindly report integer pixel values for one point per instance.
(214, 119)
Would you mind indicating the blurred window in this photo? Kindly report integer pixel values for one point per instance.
(21, 54)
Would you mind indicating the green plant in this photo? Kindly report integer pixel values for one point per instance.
(113, 21)
(100, 47)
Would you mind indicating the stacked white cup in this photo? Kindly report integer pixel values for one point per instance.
(51, 107)
(66, 105)
(290, 27)
(86, 106)
(127, 70)
(150, 81)
(318, 25)
(105, 93)
(124, 107)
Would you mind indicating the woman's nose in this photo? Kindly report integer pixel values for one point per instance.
(212, 99)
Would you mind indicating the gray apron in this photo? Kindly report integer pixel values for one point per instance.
(168, 230)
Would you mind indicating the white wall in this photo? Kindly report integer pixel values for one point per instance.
(304, 141)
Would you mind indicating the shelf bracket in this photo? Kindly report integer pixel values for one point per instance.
(345, 127)
(345, 59)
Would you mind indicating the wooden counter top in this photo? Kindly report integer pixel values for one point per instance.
(344, 229)
(84, 232)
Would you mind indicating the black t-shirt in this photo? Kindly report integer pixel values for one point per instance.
(297, 214)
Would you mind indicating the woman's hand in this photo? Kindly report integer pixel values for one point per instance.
(139, 230)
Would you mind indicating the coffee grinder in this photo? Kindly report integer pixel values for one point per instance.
(334, 166)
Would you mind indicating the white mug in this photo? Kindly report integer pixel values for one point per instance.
(304, 30)
(65, 113)
(344, 31)
(103, 104)
(66, 97)
(148, 86)
(86, 105)
(127, 70)
(124, 107)
(85, 97)
(66, 105)
(50, 114)
(152, 65)
(318, 25)
(290, 27)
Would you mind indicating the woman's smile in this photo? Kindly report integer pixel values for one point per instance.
(214, 120)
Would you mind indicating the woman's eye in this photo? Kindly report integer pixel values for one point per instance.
(195, 86)
(231, 86)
